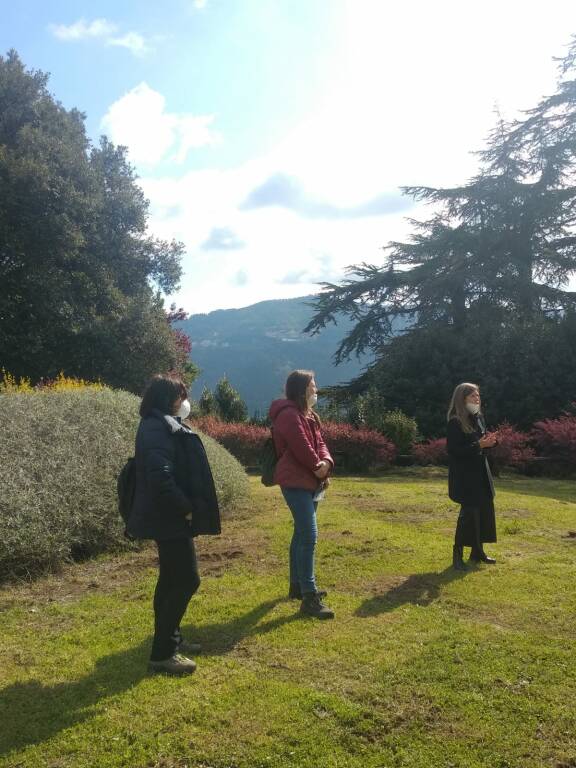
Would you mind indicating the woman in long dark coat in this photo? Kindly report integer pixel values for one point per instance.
(175, 500)
(470, 481)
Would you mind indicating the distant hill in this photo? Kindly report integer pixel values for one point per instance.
(257, 346)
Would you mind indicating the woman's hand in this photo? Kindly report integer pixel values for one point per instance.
(322, 471)
(489, 440)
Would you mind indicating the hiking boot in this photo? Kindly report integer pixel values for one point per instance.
(175, 665)
(458, 558)
(295, 593)
(312, 605)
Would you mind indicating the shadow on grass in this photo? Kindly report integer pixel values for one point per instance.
(32, 712)
(417, 589)
(220, 638)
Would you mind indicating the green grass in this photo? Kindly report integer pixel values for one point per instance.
(422, 667)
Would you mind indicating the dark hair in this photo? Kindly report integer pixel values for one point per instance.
(295, 388)
(161, 393)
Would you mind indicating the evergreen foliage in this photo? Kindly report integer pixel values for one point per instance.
(481, 286)
(61, 451)
(82, 281)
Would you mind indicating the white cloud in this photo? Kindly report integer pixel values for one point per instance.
(82, 29)
(199, 4)
(410, 95)
(139, 120)
(100, 29)
(133, 41)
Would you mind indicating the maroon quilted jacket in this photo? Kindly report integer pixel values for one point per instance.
(299, 446)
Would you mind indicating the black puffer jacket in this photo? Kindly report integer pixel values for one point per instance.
(173, 481)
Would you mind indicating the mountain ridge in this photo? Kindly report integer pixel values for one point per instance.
(257, 346)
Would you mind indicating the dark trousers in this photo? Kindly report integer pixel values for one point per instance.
(178, 580)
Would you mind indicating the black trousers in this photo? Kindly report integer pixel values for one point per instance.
(178, 580)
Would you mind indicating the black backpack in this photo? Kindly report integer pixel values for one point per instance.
(126, 487)
(268, 461)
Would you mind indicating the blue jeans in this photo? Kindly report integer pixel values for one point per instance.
(304, 538)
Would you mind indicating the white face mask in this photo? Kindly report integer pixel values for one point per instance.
(312, 400)
(473, 408)
(184, 411)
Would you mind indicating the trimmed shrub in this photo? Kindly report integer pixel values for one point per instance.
(244, 441)
(512, 449)
(431, 452)
(556, 439)
(60, 454)
(357, 450)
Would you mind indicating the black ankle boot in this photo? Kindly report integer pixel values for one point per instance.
(312, 605)
(479, 556)
(457, 558)
(295, 593)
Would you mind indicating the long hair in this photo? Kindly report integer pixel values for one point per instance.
(457, 408)
(161, 393)
(295, 389)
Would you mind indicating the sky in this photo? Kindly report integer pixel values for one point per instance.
(272, 137)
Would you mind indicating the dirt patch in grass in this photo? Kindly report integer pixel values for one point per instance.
(112, 573)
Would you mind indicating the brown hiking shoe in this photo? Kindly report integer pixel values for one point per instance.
(175, 665)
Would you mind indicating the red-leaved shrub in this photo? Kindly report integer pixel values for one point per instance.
(556, 439)
(357, 450)
(354, 450)
(431, 452)
(244, 441)
(512, 448)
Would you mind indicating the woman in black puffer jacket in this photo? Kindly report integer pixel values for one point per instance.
(174, 501)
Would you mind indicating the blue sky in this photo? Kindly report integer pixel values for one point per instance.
(271, 136)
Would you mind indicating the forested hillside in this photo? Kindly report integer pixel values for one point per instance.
(255, 347)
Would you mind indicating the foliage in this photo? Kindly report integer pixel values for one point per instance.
(207, 404)
(357, 450)
(229, 404)
(556, 438)
(431, 452)
(244, 441)
(60, 453)
(525, 371)
(480, 290)
(401, 429)
(9, 384)
(81, 278)
(224, 403)
(513, 448)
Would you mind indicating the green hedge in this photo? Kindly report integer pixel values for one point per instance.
(60, 454)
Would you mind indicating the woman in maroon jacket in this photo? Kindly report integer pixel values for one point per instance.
(304, 464)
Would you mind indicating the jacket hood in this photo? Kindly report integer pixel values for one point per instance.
(280, 405)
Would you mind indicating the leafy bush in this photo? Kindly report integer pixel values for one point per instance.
(399, 428)
(244, 441)
(59, 458)
(357, 450)
(9, 384)
(512, 449)
(556, 439)
(431, 452)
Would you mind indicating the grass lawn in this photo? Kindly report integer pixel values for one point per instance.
(422, 667)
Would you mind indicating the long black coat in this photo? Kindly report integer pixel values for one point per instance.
(469, 477)
(173, 481)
